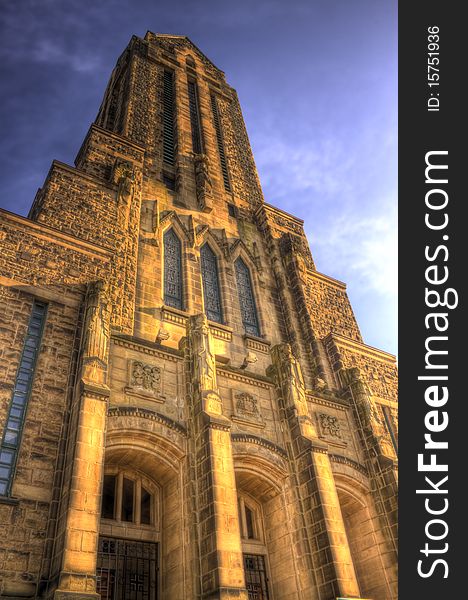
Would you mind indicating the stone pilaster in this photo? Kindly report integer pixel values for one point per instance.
(325, 531)
(81, 514)
(219, 550)
(380, 457)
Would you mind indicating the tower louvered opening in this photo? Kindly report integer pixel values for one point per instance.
(219, 139)
(168, 118)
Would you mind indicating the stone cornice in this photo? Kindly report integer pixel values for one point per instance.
(145, 347)
(337, 403)
(279, 211)
(360, 347)
(47, 233)
(326, 279)
(251, 379)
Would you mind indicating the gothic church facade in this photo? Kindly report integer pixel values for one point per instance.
(187, 407)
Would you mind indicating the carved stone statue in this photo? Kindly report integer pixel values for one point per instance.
(203, 360)
(203, 182)
(97, 330)
(365, 404)
(288, 374)
(124, 177)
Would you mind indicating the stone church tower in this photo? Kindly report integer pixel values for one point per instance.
(187, 407)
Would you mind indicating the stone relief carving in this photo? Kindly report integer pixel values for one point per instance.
(246, 408)
(203, 182)
(246, 404)
(330, 425)
(145, 377)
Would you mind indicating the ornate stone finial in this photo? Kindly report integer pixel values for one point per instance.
(203, 182)
(250, 359)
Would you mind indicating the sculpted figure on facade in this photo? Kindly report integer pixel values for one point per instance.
(203, 182)
(365, 404)
(97, 330)
(203, 360)
(290, 375)
(124, 177)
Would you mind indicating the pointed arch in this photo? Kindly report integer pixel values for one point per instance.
(173, 277)
(211, 286)
(248, 306)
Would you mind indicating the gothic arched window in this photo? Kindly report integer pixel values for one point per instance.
(211, 291)
(173, 288)
(246, 298)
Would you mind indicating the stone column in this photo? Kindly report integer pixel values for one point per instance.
(219, 546)
(325, 531)
(82, 508)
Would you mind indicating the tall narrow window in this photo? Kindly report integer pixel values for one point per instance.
(168, 118)
(246, 298)
(211, 293)
(219, 139)
(128, 492)
(21, 393)
(195, 122)
(172, 270)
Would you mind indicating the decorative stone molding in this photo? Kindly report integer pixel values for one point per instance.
(146, 413)
(145, 348)
(246, 409)
(221, 332)
(350, 463)
(253, 439)
(336, 403)
(244, 378)
(253, 343)
(174, 316)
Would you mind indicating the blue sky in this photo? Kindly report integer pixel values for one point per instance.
(317, 81)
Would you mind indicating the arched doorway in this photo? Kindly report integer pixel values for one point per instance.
(128, 550)
(142, 513)
(266, 531)
(364, 541)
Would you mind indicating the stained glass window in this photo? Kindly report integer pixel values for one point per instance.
(211, 292)
(172, 270)
(246, 298)
(17, 412)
